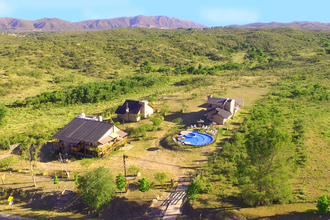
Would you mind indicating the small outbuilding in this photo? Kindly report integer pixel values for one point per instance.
(134, 110)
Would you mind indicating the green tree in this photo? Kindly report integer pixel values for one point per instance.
(56, 181)
(156, 121)
(323, 204)
(264, 172)
(30, 151)
(160, 177)
(121, 182)
(144, 185)
(76, 178)
(193, 190)
(97, 188)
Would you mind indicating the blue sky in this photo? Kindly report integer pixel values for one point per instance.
(209, 12)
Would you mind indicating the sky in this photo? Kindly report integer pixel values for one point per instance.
(207, 12)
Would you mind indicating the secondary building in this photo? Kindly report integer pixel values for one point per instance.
(89, 136)
(220, 109)
(134, 110)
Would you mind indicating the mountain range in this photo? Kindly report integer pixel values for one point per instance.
(304, 25)
(55, 24)
(160, 22)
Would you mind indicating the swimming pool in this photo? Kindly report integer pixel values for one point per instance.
(196, 138)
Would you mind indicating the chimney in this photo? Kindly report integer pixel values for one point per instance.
(82, 115)
(127, 109)
(209, 96)
(144, 104)
(99, 118)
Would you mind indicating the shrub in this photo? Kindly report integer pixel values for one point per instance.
(133, 169)
(178, 121)
(323, 204)
(56, 181)
(160, 177)
(144, 185)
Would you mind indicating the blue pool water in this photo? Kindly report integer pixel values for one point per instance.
(196, 138)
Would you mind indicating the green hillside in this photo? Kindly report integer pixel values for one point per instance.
(46, 79)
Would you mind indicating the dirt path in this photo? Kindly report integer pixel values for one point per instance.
(175, 200)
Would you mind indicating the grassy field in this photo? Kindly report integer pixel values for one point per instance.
(148, 154)
(276, 68)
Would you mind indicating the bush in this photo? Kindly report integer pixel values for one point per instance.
(144, 185)
(323, 204)
(160, 177)
(5, 163)
(56, 181)
(157, 120)
(178, 121)
(133, 170)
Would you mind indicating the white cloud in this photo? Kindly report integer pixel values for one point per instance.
(227, 15)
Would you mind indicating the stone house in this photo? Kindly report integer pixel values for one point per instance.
(220, 109)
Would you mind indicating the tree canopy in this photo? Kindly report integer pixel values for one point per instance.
(264, 171)
(121, 182)
(97, 188)
(144, 185)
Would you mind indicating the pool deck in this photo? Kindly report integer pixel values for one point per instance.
(184, 132)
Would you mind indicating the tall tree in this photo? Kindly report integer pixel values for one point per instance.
(97, 188)
(30, 151)
(264, 171)
(193, 189)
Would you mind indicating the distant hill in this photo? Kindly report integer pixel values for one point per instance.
(304, 25)
(55, 24)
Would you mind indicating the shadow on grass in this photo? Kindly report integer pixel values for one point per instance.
(309, 215)
(188, 118)
(209, 213)
(233, 202)
(153, 149)
(122, 208)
